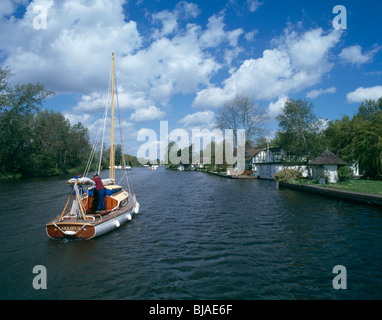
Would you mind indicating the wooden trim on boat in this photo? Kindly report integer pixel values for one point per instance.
(73, 228)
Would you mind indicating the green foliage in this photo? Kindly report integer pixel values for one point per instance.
(118, 159)
(34, 141)
(300, 132)
(132, 161)
(287, 174)
(345, 173)
(360, 138)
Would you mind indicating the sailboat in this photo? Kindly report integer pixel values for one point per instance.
(81, 221)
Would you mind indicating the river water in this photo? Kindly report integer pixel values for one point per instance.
(197, 236)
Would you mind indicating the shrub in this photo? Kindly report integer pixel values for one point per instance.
(287, 174)
(345, 173)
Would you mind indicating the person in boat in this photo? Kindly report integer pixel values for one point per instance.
(99, 193)
(77, 176)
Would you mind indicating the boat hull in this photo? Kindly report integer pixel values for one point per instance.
(113, 223)
(61, 230)
(94, 226)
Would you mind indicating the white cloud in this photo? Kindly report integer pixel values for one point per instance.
(253, 5)
(275, 108)
(201, 119)
(214, 35)
(309, 51)
(96, 128)
(233, 36)
(170, 66)
(147, 114)
(94, 102)
(297, 62)
(251, 35)
(354, 55)
(169, 21)
(315, 93)
(361, 94)
(186, 9)
(212, 97)
(73, 53)
(85, 119)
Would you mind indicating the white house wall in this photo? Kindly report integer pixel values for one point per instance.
(268, 170)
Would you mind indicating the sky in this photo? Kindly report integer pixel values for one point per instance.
(180, 61)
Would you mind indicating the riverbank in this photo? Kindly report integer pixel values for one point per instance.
(228, 176)
(336, 193)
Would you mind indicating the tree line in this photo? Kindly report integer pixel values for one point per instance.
(35, 141)
(356, 139)
(303, 135)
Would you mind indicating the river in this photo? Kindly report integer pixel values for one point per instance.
(197, 236)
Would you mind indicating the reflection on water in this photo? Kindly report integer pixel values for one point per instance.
(197, 236)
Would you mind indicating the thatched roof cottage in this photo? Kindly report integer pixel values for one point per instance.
(326, 161)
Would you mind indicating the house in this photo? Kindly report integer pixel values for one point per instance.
(326, 161)
(252, 154)
(264, 161)
(267, 161)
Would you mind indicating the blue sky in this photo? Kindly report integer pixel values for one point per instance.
(179, 61)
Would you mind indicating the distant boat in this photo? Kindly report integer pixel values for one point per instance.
(81, 221)
(122, 167)
(153, 167)
(181, 168)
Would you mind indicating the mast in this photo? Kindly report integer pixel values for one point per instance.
(112, 120)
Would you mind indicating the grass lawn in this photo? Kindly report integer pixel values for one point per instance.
(361, 186)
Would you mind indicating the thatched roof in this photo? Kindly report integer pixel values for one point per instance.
(250, 153)
(327, 157)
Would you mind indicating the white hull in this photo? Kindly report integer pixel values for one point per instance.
(114, 223)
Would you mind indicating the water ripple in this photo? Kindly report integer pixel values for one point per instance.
(197, 237)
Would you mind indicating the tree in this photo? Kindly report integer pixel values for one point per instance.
(56, 146)
(242, 113)
(79, 148)
(34, 141)
(300, 132)
(49, 143)
(18, 105)
(132, 161)
(360, 138)
(367, 144)
(118, 155)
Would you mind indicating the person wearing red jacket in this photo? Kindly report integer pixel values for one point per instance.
(100, 191)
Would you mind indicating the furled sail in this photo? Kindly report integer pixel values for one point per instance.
(82, 181)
